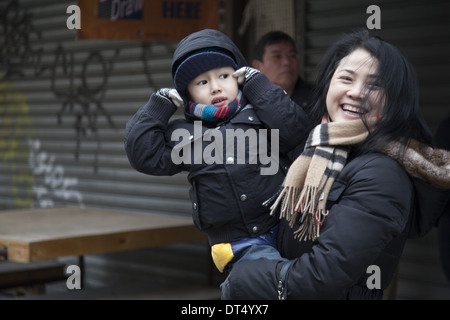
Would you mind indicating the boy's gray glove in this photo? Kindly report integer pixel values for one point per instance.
(244, 74)
(172, 95)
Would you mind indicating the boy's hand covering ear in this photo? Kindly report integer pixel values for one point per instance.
(244, 74)
(172, 95)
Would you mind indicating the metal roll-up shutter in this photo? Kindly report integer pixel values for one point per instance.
(65, 103)
(420, 29)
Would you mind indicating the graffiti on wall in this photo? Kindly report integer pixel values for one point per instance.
(50, 181)
(81, 97)
(34, 176)
(78, 81)
(16, 52)
(14, 131)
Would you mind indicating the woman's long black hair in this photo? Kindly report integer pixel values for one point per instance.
(401, 118)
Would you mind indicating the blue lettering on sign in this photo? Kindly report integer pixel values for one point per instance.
(120, 9)
(181, 9)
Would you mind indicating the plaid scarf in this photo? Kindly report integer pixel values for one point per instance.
(212, 113)
(309, 179)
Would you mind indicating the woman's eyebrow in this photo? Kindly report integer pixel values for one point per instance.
(347, 70)
(353, 72)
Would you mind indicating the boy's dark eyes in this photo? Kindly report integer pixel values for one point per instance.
(222, 76)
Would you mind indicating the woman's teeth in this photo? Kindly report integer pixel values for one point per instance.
(350, 108)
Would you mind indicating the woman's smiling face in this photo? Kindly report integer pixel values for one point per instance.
(352, 84)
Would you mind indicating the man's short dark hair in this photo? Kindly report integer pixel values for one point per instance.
(269, 38)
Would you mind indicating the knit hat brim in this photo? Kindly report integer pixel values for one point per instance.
(197, 64)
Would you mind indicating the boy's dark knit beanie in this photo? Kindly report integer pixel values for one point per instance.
(198, 62)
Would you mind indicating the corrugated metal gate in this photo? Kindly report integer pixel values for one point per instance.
(64, 107)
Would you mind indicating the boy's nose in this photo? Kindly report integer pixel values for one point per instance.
(215, 88)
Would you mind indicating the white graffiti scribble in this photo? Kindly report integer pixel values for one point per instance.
(53, 185)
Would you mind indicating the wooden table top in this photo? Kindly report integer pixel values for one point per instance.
(47, 233)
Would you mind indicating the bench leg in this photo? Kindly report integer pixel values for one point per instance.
(29, 290)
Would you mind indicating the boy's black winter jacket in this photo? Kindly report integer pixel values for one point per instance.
(227, 197)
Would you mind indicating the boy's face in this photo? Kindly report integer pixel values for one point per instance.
(216, 87)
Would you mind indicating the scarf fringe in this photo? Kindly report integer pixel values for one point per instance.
(311, 215)
(288, 196)
(309, 229)
(294, 201)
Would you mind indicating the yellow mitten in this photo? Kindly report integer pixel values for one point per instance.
(221, 254)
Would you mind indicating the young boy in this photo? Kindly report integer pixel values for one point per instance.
(231, 183)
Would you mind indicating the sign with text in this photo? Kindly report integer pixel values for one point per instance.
(145, 20)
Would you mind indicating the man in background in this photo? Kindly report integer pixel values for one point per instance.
(276, 57)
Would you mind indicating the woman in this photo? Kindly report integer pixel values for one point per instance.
(365, 181)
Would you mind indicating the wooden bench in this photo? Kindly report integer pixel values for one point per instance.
(29, 277)
(31, 235)
(46, 233)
